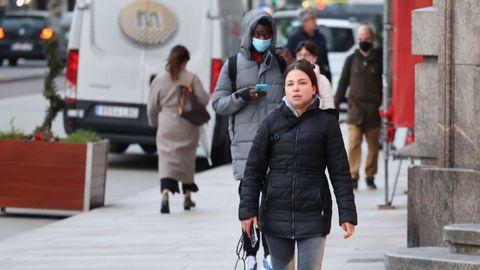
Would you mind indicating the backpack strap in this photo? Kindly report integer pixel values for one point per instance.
(349, 62)
(281, 63)
(232, 71)
(277, 135)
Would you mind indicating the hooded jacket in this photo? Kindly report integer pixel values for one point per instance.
(246, 115)
(287, 165)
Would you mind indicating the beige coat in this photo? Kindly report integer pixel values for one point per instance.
(177, 138)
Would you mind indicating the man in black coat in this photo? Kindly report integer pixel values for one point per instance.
(309, 31)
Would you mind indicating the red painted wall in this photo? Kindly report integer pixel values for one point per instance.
(403, 62)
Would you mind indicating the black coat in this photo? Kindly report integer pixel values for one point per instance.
(322, 51)
(288, 167)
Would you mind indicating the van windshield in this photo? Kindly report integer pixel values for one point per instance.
(339, 39)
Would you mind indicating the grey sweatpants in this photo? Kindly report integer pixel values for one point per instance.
(310, 253)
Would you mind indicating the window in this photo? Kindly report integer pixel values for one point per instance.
(338, 39)
(27, 22)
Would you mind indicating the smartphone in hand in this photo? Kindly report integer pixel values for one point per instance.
(261, 88)
(254, 236)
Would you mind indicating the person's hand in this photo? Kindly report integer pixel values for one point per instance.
(247, 225)
(285, 54)
(349, 229)
(254, 95)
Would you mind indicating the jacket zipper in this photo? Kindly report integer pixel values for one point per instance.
(293, 183)
(266, 197)
(321, 200)
(319, 194)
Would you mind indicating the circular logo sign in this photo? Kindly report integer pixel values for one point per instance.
(147, 22)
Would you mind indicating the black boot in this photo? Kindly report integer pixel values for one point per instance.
(355, 183)
(165, 208)
(370, 183)
(188, 203)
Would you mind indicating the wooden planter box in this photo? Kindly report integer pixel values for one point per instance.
(57, 176)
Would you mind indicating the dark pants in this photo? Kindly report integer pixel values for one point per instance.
(172, 185)
(247, 244)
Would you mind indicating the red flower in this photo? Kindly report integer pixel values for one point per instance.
(43, 136)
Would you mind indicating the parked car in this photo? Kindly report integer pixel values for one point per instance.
(339, 34)
(22, 33)
(115, 50)
(65, 23)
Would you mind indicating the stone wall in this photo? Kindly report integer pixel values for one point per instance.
(445, 188)
(438, 197)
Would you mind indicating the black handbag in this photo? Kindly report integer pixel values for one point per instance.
(189, 108)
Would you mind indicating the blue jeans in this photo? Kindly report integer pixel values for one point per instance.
(310, 253)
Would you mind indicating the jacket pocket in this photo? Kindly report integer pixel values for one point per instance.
(280, 169)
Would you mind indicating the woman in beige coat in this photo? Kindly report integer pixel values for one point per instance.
(177, 138)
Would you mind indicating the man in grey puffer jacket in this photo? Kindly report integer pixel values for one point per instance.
(247, 110)
(256, 64)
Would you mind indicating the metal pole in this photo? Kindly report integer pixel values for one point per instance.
(395, 183)
(386, 82)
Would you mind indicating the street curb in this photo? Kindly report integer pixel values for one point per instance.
(39, 74)
(20, 78)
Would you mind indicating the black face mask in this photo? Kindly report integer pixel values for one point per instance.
(365, 46)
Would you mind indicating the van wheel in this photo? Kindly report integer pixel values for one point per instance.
(13, 62)
(118, 148)
(149, 148)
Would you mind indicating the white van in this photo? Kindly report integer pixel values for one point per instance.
(115, 49)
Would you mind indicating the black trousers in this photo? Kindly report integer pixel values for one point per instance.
(247, 244)
(172, 185)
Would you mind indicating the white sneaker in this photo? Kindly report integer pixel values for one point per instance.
(251, 263)
(267, 263)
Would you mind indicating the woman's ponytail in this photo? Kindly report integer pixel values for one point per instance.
(178, 56)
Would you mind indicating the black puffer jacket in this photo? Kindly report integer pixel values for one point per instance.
(288, 167)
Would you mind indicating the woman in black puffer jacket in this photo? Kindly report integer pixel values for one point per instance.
(287, 162)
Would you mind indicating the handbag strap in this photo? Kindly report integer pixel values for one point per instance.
(188, 81)
(184, 87)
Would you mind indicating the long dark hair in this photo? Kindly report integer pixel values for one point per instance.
(178, 55)
(306, 67)
(309, 46)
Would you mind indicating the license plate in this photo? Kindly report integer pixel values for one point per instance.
(19, 46)
(116, 111)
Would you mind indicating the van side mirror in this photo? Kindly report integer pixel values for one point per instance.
(84, 4)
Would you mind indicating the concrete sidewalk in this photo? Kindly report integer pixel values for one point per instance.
(132, 234)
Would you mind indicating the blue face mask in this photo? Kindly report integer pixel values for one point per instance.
(261, 45)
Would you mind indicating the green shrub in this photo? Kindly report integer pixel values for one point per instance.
(14, 133)
(82, 136)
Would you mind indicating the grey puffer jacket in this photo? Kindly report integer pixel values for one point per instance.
(246, 116)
